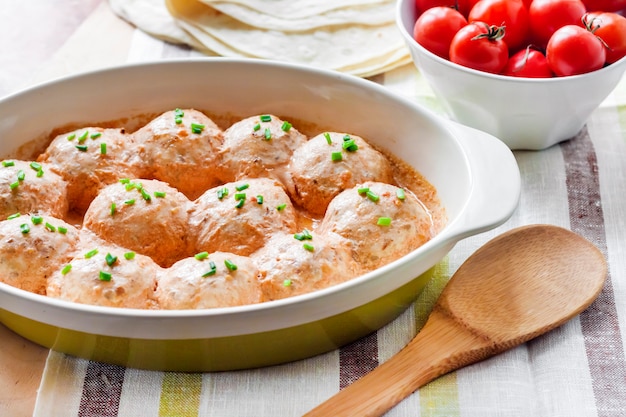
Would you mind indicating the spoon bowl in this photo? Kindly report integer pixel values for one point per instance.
(516, 287)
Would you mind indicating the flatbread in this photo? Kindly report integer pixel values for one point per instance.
(359, 49)
(328, 47)
(368, 14)
(295, 9)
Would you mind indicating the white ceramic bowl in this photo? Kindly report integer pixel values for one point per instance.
(525, 113)
(475, 174)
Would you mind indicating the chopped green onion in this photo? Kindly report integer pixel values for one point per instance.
(40, 173)
(287, 283)
(240, 196)
(281, 207)
(113, 208)
(129, 256)
(14, 216)
(8, 163)
(50, 227)
(266, 118)
(202, 255)
(211, 271)
(336, 156)
(372, 196)
(96, 135)
(304, 235)
(105, 276)
(82, 148)
(242, 187)
(363, 190)
(384, 221)
(286, 126)
(178, 116)
(197, 128)
(110, 259)
(82, 137)
(36, 166)
(103, 148)
(328, 139)
(268, 133)
(14, 185)
(62, 230)
(67, 268)
(308, 247)
(240, 203)
(350, 145)
(230, 265)
(91, 253)
(124, 180)
(259, 199)
(400, 194)
(221, 193)
(21, 175)
(25, 228)
(72, 136)
(159, 194)
(145, 194)
(36, 219)
(129, 202)
(256, 127)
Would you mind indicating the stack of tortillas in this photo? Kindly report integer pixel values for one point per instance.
(358, 37)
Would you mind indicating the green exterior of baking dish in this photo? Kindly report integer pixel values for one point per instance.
(224, 353)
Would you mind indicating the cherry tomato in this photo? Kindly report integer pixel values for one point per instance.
(605, 5)
(546, 16)
(574, 50)
(529, 63)
(461, 5)
(611, 28)
(436, 27)
(510, 13)
(480, 46)
(527, 3)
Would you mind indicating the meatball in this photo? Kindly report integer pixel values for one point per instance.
(147, 216)
(180, 147)
(31, 187)
(32, 247)
(292, 264)
(258, 146)
(89, 159)
(381, 222)
(330, 163)
(239, 217)
(207, 281)
(106, 276)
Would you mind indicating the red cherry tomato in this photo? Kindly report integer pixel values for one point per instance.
(527, 3)
(574, 50)
(461, 5)
(546, 16)
(436, 27)
(529, 63)
(480, 46)
(611, 28)
(605, 5)
(510, 13)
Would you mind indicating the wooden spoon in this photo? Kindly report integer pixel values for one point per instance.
(518, 286)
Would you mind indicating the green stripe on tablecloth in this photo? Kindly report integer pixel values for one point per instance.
(440, 397)
(180, 395)
(621, 114)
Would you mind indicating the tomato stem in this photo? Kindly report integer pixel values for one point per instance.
(494, 33)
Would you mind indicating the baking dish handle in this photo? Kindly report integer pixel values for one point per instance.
(496, 182)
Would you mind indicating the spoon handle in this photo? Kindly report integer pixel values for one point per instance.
(440, 347)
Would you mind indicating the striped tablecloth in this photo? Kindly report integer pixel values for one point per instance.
(578, 369)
